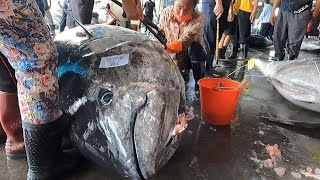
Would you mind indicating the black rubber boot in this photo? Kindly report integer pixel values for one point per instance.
(209, 62)
(52, 30)
(222, 53)
(43, 147)
(234, 53)
(198, 71)
(244, 50)
(291, 57)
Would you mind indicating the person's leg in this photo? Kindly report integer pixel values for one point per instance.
(209, 31)
(264, 29)
(235, 39)
(63, 21)
(297, 25)
(244, 31)
(82, 10)
(198, 57)
(270, 32)
(9, 111)
(222, 48)
(227, 40)
(280, 35)
(35, 63)
(49, 20)
(210, 28)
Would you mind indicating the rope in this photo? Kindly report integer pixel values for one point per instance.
(217, 42)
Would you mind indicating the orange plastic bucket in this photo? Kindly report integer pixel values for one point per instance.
(218, 105)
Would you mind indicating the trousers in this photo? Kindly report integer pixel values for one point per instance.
(290, 29)
(26, 42)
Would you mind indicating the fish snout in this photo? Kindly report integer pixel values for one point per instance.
(153, 140)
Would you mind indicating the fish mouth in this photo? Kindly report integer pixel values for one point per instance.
(153, 123)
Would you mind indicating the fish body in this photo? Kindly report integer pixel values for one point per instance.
(257, 41)
(310, 44)
(298, 81)
(125, 95)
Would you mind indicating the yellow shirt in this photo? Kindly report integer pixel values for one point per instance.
(246, 5)
(236, 6)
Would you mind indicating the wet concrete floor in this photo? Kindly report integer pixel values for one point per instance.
(224, 153)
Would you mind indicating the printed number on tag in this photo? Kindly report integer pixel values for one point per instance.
(114, 61)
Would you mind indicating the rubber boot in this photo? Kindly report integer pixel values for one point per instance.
(222, 53)
(52, 30)
(291, 57)
(2, 134)
(198, 71)
(45, 158)
(244, 51)
(234, 53)
(11, 123)
(209, 67)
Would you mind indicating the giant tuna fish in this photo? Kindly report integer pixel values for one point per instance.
(310, 44)
(126, 97)
(298, 81)
(258, 42)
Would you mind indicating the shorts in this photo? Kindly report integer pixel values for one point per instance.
(231, 28)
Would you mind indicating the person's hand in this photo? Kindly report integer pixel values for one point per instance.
(174, 47)
(315, 14)
(252, 16)
(273, 19)
(318, 27)
(230, 16)
(218, 10)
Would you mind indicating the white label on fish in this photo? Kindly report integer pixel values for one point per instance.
(114, 61)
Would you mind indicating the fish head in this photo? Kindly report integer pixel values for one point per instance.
(125, 96)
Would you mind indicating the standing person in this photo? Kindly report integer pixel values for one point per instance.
(246, 16)
(230, 31)
(266, 29)
(213, 10)
(9, 112)
(314, 29)
(290, 25)
(149, 8)
(182, 27)
(48, 16)
(81, 11)
(63, 22)
(26, 43)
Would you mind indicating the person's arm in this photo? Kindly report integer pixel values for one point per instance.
(316, 9)
(188, 36)
(276, 4)
(49, 4)
(231, 13)
(218, 8)
(254, 11)
(263, 13)
(154, 10)
(190, 33)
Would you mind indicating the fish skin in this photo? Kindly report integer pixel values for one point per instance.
(129, 113)
(297, 81)
(258, 41)
(310, 44)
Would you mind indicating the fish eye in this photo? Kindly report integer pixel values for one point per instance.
(105, 98)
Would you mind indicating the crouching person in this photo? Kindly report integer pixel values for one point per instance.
(182, 27)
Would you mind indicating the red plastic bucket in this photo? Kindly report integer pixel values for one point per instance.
(218, 104)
